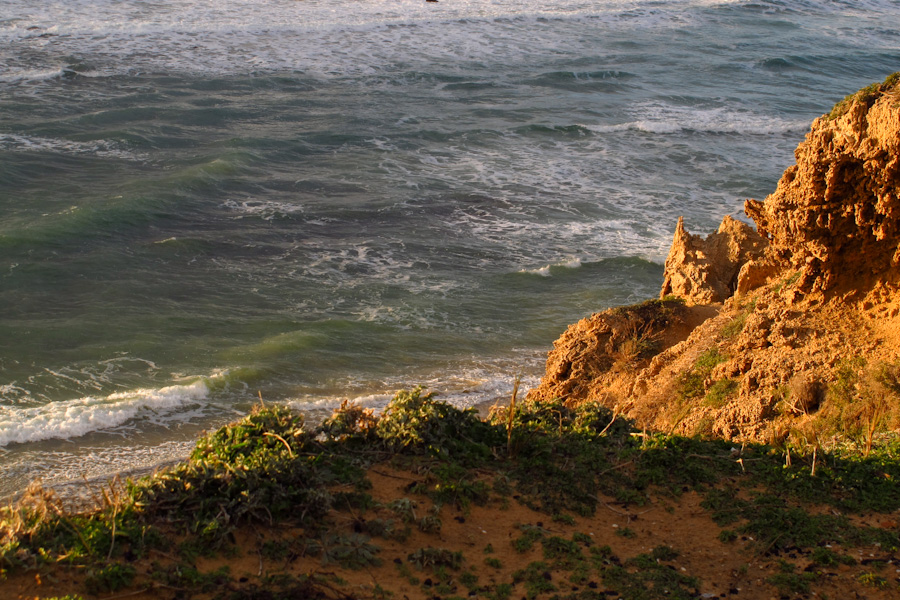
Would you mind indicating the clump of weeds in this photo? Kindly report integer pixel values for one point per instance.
(692, 384)
(537, 578)
(648, 576)
(429, 557)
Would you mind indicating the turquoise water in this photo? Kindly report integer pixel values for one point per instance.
(202, 202)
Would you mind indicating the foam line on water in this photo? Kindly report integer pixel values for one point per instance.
(73, 418)
(31, 18)
(546, 271)
(102, 148)
(69, 472)
(117, 38)
(466, 388)
(262, 209)
(17, 75)
(659, 118)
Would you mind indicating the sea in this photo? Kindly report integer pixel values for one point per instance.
(205, 204)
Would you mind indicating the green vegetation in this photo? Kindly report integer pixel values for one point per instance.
(436, 557)
(530, 535)
(269, 469)
(692, 384)
(873, 580)
(735, 326)
(350, 550)
(829, 558)
(788, 281)
(636, 329)
(789, 581)
(560, 549)
(537, 579)
(189, 577)
(862, 402)
(867, 95)
(647, 577)
(719, 392)
(566, 519)
(109, 578)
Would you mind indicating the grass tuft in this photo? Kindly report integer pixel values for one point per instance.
(692, 384)
(867, 95)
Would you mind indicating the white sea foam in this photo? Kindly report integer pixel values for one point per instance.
(324, 38)
(68, 472)
(78, 379)
(527, 238)
(655, 117)
(465, 387)
(545, 271)
(14, 394)
(346, 264)
(536, 181)
(31, 18)
(102, 148)
(73, 418)
(16, 75)
(263, 209)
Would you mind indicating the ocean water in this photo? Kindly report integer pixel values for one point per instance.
(202, 202)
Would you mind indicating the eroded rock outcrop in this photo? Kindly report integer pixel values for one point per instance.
(597, 357)
(835, 215)
(705, 271)
(807, 306)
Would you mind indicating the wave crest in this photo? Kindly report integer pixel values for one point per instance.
(74, 418)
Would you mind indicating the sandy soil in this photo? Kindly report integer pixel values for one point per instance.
(733, 569)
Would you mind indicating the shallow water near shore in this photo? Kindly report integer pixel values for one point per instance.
(317, 201)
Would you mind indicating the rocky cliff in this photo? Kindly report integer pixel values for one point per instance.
(835, 215)
(706, 271)
(788, 332)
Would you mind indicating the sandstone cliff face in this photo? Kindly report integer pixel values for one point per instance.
(835, 215)
(598, 357)
(810, 305)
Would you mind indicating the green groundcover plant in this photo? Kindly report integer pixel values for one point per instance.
(273, 468)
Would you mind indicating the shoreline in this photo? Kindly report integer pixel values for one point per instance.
(86, 495)
(150, 439)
